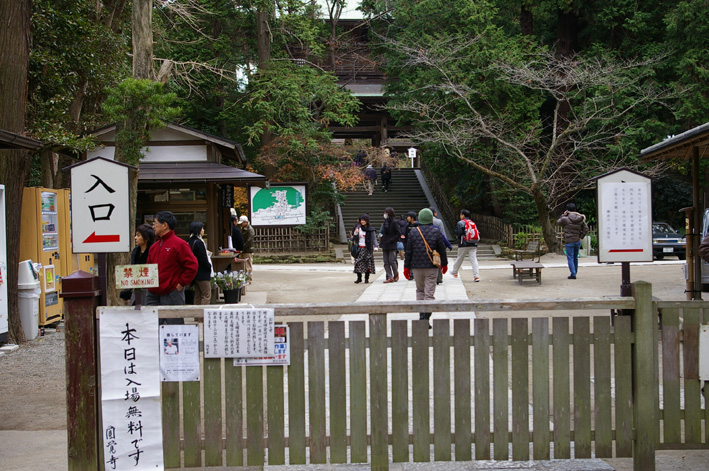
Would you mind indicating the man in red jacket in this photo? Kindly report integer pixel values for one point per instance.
(177, 265)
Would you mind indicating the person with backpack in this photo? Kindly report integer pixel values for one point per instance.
(468, 238)
(575, 229)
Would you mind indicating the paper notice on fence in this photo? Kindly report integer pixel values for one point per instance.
(238, 333)
(281, 351)
(179, 353)
(130, 390)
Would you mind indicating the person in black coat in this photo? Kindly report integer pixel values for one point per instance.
(419, 260)
(202, 288)
(144, 238)
(391, 235)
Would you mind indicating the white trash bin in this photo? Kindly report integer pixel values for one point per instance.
(28, 299)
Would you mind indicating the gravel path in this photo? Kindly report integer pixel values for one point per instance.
(33, 385)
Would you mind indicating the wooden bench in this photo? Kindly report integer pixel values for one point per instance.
(533, 249)
(527, 271)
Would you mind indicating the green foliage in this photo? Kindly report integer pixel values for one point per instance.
(137, 106)
(317, 220)
(74, 57)
(298, 104)
(520, 240)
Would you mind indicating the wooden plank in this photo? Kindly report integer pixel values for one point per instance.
(233, 381)
(623, 387)
(255, 455)
(692, 385)
(213, 412)
(481, 340)
(645, 381)
(170, 394)
(500, 389)
(400, 391)
(358, 393)
(382, 307)
(520, 389)
(316, 392)
(602, 387)
(338, 391)
(276, 415)
(582, 387)
(421, 399)
(441, 391)
(671, 377)
(561, 380)
(296, 395)
(540, 387)
(378, 400)
(461, 358)
(192, 424)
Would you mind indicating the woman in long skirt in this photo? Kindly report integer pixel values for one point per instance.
(365, 237)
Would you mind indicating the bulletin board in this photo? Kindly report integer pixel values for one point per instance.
(624, 217)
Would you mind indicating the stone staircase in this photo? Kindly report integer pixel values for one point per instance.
(405, 194)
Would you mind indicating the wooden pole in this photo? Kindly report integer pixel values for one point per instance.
(80, 293)
(644, 378)
(697, 202)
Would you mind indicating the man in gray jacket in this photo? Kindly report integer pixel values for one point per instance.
(575, 229)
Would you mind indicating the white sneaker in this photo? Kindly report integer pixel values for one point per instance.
(477, 279)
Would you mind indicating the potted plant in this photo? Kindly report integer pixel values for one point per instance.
(231, 283)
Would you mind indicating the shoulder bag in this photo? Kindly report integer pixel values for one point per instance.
(433, 255)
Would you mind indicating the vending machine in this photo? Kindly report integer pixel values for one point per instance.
(43, 211)
(4, 326)
(72, 261)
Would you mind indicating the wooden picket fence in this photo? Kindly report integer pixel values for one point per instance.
(381, 390)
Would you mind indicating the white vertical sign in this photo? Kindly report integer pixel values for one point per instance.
(130, 390)
(100, 207)
(238, 333)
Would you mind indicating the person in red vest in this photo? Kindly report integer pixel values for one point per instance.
(177, 265)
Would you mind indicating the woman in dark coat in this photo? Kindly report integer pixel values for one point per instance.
(144, 238)
(202, 288)
(365, 237)
(391, 234)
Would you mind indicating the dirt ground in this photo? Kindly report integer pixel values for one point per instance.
(33, 377)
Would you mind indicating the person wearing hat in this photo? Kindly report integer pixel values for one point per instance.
(237, 241)
(575, 229)
(365, 238)
(248, 234)
(421, 241)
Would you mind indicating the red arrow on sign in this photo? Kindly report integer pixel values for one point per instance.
(96, 239)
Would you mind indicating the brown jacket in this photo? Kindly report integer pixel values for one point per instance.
(575, 227)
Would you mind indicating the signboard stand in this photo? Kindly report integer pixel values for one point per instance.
(624, 221)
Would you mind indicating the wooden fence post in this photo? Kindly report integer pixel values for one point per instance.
(379, 415)
(644, 378)
(80, 292)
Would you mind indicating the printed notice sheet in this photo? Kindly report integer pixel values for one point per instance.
(238, 333)
(179, 353)
(130, 392)
(281, 351)
(625, 216)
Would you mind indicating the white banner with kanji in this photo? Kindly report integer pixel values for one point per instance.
(130, 389)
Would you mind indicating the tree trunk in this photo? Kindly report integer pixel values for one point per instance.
(263, 36)
(526, 20)
(143, 40)
(15, 43)
(540, 201)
